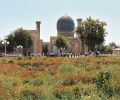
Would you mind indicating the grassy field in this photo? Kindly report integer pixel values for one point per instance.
(92, 78)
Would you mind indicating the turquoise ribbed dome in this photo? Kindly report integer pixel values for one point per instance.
(65, 24)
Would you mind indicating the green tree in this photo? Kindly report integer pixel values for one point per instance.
(1, 47)
(45, 49)
(12, 43)
(102, 48)
(91, 32)
(108, 49)
(105, 49)
(62, 43)
(113, 45)
(19, 37)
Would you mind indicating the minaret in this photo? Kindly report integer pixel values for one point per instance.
(82, 45)
(79, 22)
(38, 44)
(38, 28)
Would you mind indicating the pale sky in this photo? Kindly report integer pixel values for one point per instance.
(24, 13)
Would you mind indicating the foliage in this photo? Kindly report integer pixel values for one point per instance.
(108, 49)
(91, 32)
(105, 49)
(19, 58)
(62, 42)
(104, 83)
(113, 45)
(45, 48)
(19, 37)
(11, 62)
(30, 93)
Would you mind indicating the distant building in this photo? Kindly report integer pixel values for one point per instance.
(116, 51)
(66, 27)
(37, 42)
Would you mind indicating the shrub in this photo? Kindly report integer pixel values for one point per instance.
(29, 57)
(68, 93)
(68, 67)
(19, 58)
(11, 62)
(4, 61)
(36, 82)
(30, 93)
(104, 84)
(36, 64)
(77, 92)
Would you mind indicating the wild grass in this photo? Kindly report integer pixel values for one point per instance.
(90, 78)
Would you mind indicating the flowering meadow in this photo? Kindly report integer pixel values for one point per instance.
(85, 78)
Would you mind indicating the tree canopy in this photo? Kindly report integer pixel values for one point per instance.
(45, 48)
(91, 32)
(19, 37)
(113, 45)
(62, 42)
